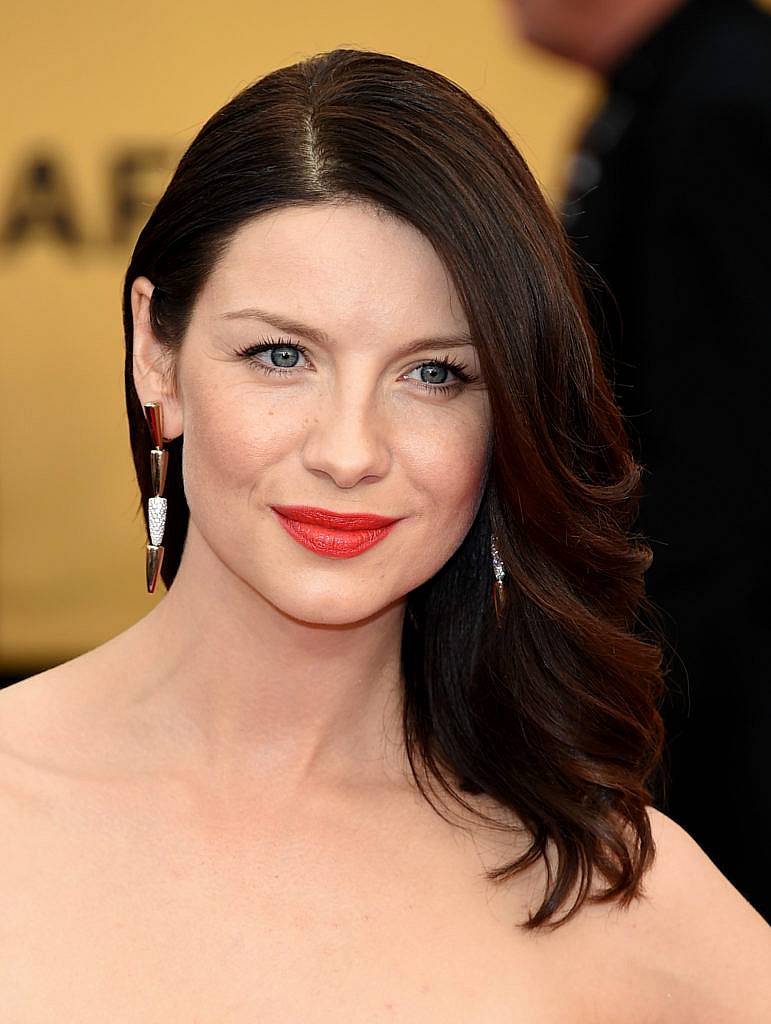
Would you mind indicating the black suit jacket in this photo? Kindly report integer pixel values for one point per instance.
(669, 202)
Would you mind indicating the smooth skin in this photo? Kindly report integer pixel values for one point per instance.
(209, 817)
(306, 648)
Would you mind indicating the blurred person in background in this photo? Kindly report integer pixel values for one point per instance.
(668, 203)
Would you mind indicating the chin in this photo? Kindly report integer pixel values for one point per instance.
(333, 609)
(331, 617)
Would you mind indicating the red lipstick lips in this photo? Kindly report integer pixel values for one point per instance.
(333, 534)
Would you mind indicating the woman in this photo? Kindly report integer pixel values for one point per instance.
(385, 749)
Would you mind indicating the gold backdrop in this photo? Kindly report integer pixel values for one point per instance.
(100, 100)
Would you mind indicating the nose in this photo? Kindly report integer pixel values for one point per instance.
(348, 439)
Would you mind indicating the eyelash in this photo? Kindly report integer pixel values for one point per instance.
(460, 370)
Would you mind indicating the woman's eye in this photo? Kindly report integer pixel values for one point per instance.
(443, 376)
(433, 373)
(272, 356)
(435, 376)
(285, 356)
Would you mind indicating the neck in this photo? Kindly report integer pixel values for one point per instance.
(226, 683)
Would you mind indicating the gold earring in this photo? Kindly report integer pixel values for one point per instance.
(156, 505)
(499, 586)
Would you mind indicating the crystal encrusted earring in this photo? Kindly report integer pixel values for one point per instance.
(156, 505)
(499, 585)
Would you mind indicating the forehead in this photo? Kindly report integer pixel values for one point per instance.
(342, 263)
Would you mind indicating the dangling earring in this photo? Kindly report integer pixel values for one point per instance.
(156, 505)
(499, 587)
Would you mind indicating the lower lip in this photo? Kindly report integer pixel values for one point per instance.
(325, 540)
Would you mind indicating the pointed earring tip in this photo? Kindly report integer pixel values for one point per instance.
(499, 600)
(153, 563)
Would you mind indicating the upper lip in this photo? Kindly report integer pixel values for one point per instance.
(337, 520)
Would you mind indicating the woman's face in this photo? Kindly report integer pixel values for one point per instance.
(354, 412)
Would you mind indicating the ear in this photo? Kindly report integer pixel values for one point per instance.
(155, 377)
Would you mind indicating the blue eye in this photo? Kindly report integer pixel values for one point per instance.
(434, 373)
(284, 357)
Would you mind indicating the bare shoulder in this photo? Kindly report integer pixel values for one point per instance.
(20, 706)
(698, 934)
(66, 713)
(40, 715)
(24, 693)
(684, 879)
(20, 700)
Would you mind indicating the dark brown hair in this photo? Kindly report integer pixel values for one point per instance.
(554, 715)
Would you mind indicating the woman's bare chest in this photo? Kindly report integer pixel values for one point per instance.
(109, 909)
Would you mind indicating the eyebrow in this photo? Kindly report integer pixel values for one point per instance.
(319, 337)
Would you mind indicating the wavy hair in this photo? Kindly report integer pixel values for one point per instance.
(554, 713)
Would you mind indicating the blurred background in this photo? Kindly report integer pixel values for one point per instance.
(101, 101)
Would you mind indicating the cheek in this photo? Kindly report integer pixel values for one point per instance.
(238, 448)
(230, 442)
(447, 467)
